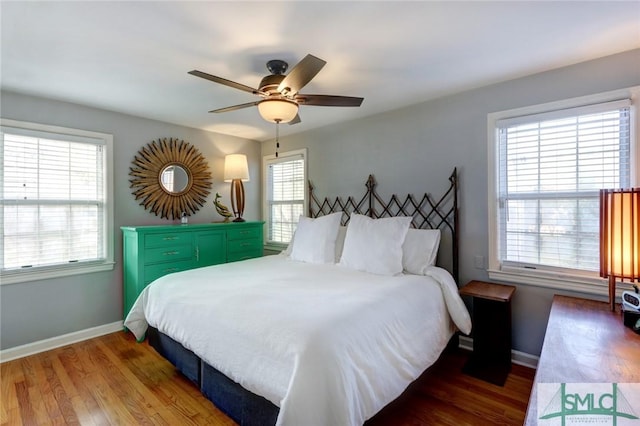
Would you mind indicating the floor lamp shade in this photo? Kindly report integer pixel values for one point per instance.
(619, 236)
(236, 170)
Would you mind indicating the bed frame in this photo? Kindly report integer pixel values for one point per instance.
(249, 409)
(426, 213)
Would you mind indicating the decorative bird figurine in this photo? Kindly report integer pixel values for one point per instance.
(221, 208)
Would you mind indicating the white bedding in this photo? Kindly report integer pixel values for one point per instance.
(328, 345)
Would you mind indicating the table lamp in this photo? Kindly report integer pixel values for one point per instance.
(619, 237)
(236, 171)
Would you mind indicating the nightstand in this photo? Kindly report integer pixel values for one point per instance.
(491, 357)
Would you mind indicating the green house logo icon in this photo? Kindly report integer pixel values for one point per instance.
(588, 407)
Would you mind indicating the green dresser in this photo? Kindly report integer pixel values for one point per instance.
(150, 252)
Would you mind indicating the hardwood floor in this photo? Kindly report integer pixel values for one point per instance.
(113, 380)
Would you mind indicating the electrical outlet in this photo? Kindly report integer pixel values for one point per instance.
(478, 262)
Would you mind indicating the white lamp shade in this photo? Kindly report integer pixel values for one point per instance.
(236, 167)
(278, 110)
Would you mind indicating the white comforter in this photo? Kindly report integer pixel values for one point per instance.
(328, 345)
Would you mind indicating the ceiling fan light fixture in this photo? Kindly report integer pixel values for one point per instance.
(278, 110)
(281, 93)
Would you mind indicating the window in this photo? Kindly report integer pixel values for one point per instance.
(285, 180)
(549, 167)
(55, 212)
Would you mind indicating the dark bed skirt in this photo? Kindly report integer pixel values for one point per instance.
(243, 406)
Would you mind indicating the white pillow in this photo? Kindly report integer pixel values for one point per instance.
(342, 233)
(420, 250)
(375, 245)
(315, 239)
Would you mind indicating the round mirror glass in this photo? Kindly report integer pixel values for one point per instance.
(174, 179)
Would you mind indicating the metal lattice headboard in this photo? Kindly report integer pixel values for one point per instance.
(426, 212)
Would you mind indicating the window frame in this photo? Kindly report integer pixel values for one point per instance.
(62, 270)
(555, 278)
(266, 161)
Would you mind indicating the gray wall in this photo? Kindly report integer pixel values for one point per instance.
(33, 311)
(414, 150)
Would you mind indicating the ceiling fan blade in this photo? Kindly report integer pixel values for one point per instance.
(329, 100)
(235, 107)
(224, 81)
(301, 74)
(295, 120)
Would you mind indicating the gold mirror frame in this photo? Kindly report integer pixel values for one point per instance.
(147, 169)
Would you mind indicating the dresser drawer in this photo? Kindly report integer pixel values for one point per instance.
(243, 245)
(245, 233)
(153, 272)
(168, 254)
(167, 240)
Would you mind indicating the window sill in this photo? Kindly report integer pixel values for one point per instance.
(53, 272)
(581, 284)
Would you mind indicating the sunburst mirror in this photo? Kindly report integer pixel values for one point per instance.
(170, 176)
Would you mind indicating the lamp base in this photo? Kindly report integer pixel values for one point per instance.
(612, 293)
(237, 199)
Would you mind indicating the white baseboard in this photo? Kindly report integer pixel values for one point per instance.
(517, 357)
(58, 341)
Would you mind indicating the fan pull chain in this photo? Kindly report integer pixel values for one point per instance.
(277, 137)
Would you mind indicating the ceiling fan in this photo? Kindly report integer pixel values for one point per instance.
(280, 93)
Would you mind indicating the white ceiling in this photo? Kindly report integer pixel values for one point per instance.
(133, 57)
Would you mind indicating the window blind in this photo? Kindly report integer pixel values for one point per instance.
(551, 167)
(285, 198)
(53, 199)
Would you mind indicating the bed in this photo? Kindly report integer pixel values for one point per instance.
(311, 336)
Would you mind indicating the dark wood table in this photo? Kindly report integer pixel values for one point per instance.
(491, 357)
(585, 343)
